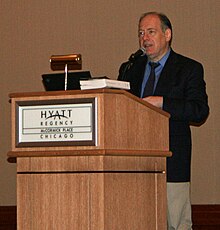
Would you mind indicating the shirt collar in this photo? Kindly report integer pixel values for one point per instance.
(163, 60)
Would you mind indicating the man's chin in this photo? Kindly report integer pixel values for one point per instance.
(150, 55)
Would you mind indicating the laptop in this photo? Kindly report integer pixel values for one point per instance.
(56, 81)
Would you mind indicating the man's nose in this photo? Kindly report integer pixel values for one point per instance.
(145, 36)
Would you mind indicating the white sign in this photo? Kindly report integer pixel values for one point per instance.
(56, 123)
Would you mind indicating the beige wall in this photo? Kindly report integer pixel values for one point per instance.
(105, 33)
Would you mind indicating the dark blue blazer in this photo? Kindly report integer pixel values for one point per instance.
(183, 88)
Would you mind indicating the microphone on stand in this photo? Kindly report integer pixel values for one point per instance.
(137, 54)
(131, 61)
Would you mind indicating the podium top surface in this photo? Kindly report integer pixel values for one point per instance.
(84, 92)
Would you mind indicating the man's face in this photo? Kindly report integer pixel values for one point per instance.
(152, 38)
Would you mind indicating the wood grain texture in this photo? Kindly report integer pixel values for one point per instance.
(124, 122)
(105, 201)
(118, 184)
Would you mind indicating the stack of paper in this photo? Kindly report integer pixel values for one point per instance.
(104, 83)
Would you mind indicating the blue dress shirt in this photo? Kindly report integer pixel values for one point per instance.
(158, 71)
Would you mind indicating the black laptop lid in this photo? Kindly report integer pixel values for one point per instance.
(56, 81)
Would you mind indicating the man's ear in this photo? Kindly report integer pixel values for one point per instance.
(168, 34)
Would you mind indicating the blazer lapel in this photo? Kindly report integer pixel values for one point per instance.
(167, 76)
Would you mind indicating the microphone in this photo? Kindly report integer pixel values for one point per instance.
(131, 61)
(137, 54)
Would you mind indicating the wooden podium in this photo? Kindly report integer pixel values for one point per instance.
(110, 176)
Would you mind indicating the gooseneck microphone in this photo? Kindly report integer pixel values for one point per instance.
(137, 54)
(131, 61)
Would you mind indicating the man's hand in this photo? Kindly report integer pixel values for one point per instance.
(155, 100)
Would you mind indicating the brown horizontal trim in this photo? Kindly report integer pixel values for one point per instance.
(206, 215)
(93, 152)
(63, 92)
(8, 217)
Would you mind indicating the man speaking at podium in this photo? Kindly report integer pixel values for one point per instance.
(175, 84)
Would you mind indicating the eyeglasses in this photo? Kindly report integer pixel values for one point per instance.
(148, 32)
